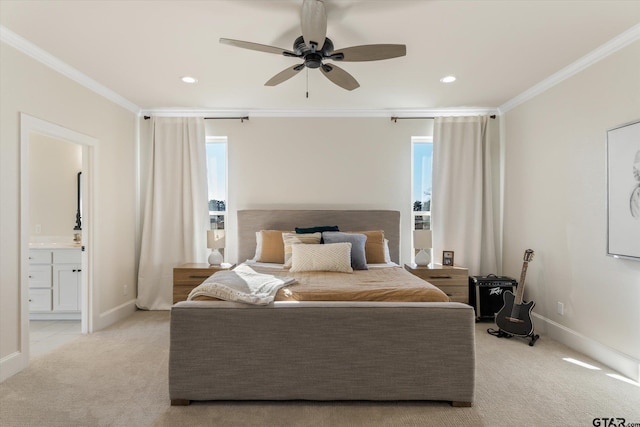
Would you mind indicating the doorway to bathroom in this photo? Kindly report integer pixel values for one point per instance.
(56, 234)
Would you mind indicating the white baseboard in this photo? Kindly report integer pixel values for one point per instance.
(114, 315)
(623, 363)
(12, 364)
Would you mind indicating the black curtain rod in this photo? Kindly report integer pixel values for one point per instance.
(395, 118)
(242, 119)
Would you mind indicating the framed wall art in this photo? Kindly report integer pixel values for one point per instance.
(623, 191)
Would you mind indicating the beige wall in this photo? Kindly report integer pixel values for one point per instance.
(28, 86)
(53, 175)
(555, 203)
(333, 163)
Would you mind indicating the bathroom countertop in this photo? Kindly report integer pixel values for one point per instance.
(55, 245)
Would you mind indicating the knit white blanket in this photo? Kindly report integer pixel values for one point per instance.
(242, 284)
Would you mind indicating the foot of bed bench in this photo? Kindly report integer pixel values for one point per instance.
(461, 404)
(180, 402)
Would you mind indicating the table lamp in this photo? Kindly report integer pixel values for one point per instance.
(422, 241)
(215, 241)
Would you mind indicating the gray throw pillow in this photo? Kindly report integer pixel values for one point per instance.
(358, 258)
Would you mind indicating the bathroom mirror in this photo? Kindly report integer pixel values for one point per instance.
(79, 207)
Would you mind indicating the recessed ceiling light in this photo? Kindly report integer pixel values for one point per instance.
(448, 79)
(188, 79)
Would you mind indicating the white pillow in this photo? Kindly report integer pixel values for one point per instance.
(327, 257)
(256, 257)
(387, 255)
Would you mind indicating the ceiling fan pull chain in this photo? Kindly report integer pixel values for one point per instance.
(307, 83)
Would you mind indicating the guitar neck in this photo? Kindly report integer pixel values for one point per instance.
(520, 291)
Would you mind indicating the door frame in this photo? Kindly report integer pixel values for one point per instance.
(30, 125)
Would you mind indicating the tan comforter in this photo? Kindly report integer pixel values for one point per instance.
(392, 284)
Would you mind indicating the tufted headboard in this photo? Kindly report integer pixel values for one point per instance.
(252, 220)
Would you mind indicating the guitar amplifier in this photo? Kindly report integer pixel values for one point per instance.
(485, 294)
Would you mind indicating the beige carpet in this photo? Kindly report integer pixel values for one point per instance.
(118, 377)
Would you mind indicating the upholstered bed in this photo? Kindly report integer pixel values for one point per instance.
(322, 350)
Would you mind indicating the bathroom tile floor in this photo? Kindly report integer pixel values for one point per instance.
(46, 335)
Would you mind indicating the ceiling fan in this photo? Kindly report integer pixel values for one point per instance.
(314, 47)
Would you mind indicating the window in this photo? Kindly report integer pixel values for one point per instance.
(422, 159)
(217, 180)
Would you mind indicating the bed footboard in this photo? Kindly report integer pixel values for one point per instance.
(322, 351)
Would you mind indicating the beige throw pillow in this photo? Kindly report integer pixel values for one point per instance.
(374, 246)
(272, 249)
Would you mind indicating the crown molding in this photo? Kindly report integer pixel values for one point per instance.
(615, 44)
(23, 45)
(387, 113)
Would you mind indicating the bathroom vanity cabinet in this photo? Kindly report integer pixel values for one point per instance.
(55, 279)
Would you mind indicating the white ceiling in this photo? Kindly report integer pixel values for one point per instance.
(140, 49)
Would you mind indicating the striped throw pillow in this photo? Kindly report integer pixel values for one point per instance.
(291, 239)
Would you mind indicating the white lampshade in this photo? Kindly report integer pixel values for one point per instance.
(215, 239)
(422, 239)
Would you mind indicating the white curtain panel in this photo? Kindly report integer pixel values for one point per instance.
(176, 214)
(462, 200)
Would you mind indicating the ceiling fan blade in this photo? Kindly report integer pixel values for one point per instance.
(369, 52)
(284, 75)
(339, 76)
(257, 46)
(314, 23)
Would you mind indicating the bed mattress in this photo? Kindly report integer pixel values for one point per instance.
(386, 284)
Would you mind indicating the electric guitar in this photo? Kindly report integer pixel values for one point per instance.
(515, 316)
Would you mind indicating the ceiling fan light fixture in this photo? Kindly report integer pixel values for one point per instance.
(313, 47)
(448, 79)
(189, 79)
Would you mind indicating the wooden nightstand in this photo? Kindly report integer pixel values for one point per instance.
(453, 281)
(188, 276)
